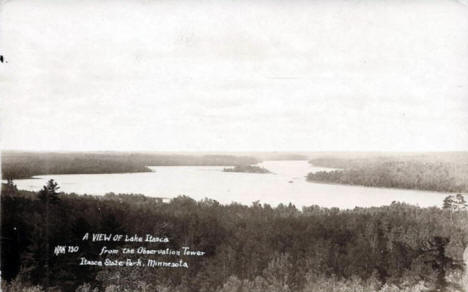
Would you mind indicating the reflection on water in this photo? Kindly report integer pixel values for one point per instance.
(286, 184)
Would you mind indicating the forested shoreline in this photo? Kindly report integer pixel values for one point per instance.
(257, 248)
(20, 165)
(412, 172)
(247, 169)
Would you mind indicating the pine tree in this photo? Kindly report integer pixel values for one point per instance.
(49, 193)
(460, 202)
(10, 187)
(448, 202)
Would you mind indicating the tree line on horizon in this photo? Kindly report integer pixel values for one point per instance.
(25, 165)
(404, 173)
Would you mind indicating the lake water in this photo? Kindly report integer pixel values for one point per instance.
(286, 184)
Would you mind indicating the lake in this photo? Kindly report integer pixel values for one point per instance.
(286, 184)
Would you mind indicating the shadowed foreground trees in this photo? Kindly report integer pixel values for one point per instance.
(255, 248)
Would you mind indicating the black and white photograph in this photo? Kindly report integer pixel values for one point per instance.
(234, 145)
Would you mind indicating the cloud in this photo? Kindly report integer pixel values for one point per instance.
(265, 75)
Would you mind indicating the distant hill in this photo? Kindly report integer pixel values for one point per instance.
(443, 172)
(17, 165)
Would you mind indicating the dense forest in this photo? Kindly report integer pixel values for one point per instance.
(424, 172)
(257, 248)
(17, 165)
(247, 169)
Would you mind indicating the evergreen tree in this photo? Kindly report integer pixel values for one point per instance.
(49, 192)
(460, 202)
(10, 187)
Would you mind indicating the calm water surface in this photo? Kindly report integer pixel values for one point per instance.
(286, 184)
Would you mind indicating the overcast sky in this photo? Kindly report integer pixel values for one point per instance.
(234, 75)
